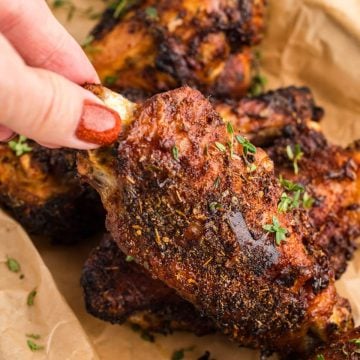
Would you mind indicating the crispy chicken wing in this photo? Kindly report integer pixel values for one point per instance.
(330, 175)
(199, 211)
(117, 289)
(41, 190)
(146, 47)
(267, 119)
(263, 118)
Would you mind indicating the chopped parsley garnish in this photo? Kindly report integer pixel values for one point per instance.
(129, 258)
(248, 147)
(320, 357)
(13, 265)
(213, 206)
(175, 152)
(33, 336)
(33, 346)
(295, 156)
(280, 232)
(19, 146)
(179, 354)
(110, 80)
(31, 297)
(308, 201)
(257, 85)
(251, 168)
(289, 185)
(220, 146)
(151, 13)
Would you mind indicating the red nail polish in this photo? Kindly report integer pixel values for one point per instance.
(98, 125)
(6, 134)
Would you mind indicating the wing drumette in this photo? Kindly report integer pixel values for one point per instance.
(199, 211)
(117, 289)
(40, 188)
(151, 46)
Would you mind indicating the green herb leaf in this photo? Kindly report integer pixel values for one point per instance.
(13, 265)
(289, 185)
(110, 80)
(220, 146)
(251, 168)
(285, 202)
(355, 341)
(248, 147)
(229, 128)
(33, 336)
(129, 258)
(19, 146)
(295, 156)
(33, 346)
(179, 354)
(320, 357)
(175, 152)
(308, 201)
(31, 297)
(151, 13)
(258, 83)
(147, 336)
(120, 7)
(296, 200)
(213, 206)
(280, 232)
(217, 182)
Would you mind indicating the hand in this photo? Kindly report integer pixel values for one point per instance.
(40, 67)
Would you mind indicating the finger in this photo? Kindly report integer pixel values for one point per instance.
(46, 107)
(5, 133)
(42, 41)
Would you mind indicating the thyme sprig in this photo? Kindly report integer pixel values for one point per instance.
(295, 155)
(20, 146)
(275, 227)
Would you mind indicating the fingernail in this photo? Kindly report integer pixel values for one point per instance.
(6, 135)
(98, 125)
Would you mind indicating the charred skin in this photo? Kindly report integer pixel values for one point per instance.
(206, 241)
(264, 118)
(203, 44)
(41, 190)
(331, 176)
(116, 290)
(341, 348)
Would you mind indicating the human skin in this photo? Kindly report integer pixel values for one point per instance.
(42, 69)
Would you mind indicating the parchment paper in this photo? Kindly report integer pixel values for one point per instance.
(308, 42)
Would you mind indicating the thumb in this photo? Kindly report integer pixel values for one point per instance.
(48, 108)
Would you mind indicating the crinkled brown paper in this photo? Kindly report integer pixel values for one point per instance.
(309, 42)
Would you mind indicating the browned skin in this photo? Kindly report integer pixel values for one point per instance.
(117, 290)
(331, 175)
(343, 348)
(161, 211)
(41, 190)
(264, 117)
(204, 44)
